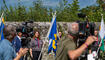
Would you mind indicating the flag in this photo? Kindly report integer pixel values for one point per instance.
(52, 35)
(101, 34)
(0, 24)
(1, 28)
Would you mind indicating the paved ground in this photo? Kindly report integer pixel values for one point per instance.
(47, 56)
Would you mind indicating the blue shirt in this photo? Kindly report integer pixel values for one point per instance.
(7, 51)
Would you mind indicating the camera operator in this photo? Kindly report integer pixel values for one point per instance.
(7, 52)
(67, 48)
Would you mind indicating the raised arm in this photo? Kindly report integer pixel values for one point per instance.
(74, 54)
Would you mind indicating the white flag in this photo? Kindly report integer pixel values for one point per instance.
(101, 32)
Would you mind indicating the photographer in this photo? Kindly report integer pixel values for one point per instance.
(7, 52)
(67, 48)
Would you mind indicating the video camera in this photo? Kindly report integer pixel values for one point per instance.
(86, 29)
(27, 33)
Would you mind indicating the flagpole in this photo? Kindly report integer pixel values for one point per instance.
(2, 24)
(2, 14)
(51, 24)
(41, 50)
(54, 16)
(47, 35)
(1, 30)
(98, 48)
(100, 41)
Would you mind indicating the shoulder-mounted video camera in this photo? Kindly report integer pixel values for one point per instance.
(86, 29)
(27, 32)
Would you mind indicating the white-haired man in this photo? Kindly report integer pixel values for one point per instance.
(67, 47)
(7, 52)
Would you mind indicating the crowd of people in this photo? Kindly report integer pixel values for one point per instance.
(11, 47)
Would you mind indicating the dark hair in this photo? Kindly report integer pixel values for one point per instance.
(9, 32)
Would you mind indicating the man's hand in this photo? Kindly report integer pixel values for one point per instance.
(73, 54)
(90, 40)
(23, 51)
(31, 53)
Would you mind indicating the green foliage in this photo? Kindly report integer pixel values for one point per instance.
(69, 13)
(65, 12)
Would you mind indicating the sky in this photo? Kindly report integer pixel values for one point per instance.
(47, 3)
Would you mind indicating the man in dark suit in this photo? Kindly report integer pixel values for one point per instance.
(17, 42)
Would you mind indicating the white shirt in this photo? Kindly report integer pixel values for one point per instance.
(19, 37)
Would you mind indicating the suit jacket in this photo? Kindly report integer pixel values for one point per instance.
(16, 43)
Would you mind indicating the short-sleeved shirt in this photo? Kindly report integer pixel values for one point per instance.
(63, 47)
(7, 52)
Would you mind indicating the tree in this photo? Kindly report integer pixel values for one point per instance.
(40, 12)
(69, 13)
(21, 13)
(66, 12)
